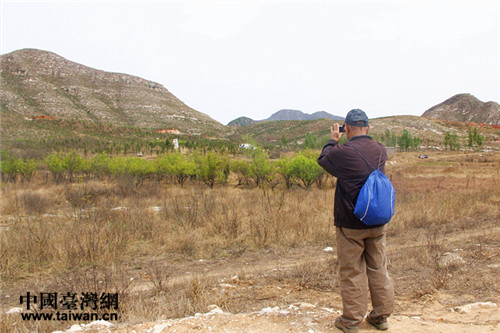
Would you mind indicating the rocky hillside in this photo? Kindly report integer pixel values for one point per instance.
(38, 83)
(465, 107)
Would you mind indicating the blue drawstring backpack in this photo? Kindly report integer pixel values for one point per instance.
(375, 202)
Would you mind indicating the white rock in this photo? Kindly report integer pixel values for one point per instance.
(306, 305)
(226, 285)
(215, 310)
(475, 306)
(450, 259)
(269, 310)
(159, 328)
(266, 310)
(75, 328)
(328, 249)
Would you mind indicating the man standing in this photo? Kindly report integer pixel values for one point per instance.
(360, 248)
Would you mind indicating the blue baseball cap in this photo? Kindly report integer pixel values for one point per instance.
(356, 117)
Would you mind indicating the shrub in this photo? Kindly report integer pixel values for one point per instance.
(27, 168)
(261, 169)
(212, 168)
(56, 165)
(306, 169)
(99, 165)
(284, 167)
(9, 170)
(242, 169)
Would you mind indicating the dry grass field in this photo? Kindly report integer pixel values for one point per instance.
(171, 251)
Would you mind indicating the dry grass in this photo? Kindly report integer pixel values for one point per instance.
(96, 227)
(131, 237)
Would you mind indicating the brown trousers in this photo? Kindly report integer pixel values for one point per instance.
(363, 266)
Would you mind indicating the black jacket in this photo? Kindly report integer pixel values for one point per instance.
(343, 162)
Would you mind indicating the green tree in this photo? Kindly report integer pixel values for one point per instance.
(212, 168)
(56, 164)
(99, 164)
(406, 141)
(451, 140)
(470, 137)
(310, 142)
(10, 167)
(27, 168)
(478, 139)
(283, 141)
(242, 170)
(261, 168)
(284, 168)
(73, 164)
(306, 169)
(181, 167)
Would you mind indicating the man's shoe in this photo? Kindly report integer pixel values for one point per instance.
(380, 323)
(340, 325)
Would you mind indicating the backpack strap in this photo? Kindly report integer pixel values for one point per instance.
(379, 158)
(340, 185)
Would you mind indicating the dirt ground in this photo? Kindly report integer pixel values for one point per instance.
(305, 317)
(268, 286)
(438, 312)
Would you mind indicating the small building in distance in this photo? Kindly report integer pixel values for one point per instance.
(42, 117)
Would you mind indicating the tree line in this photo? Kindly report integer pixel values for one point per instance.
(254, 169)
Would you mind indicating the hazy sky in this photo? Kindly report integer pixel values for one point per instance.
(229, 59)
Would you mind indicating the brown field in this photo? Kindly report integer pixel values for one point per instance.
(171, 252)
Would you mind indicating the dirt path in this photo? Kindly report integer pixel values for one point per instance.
(305, 317)
(281, 311)
(441, 311)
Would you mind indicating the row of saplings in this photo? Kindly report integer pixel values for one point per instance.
(255, 168)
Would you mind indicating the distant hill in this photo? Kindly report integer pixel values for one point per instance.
(285, 114)
(465, 107)
(242, 121)
(431, 131)
(40, 83)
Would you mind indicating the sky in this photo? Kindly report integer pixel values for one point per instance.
(252, 58)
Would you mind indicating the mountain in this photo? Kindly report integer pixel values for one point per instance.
(286, 114)
(39, 83)
(465, 107)
(242, 121)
